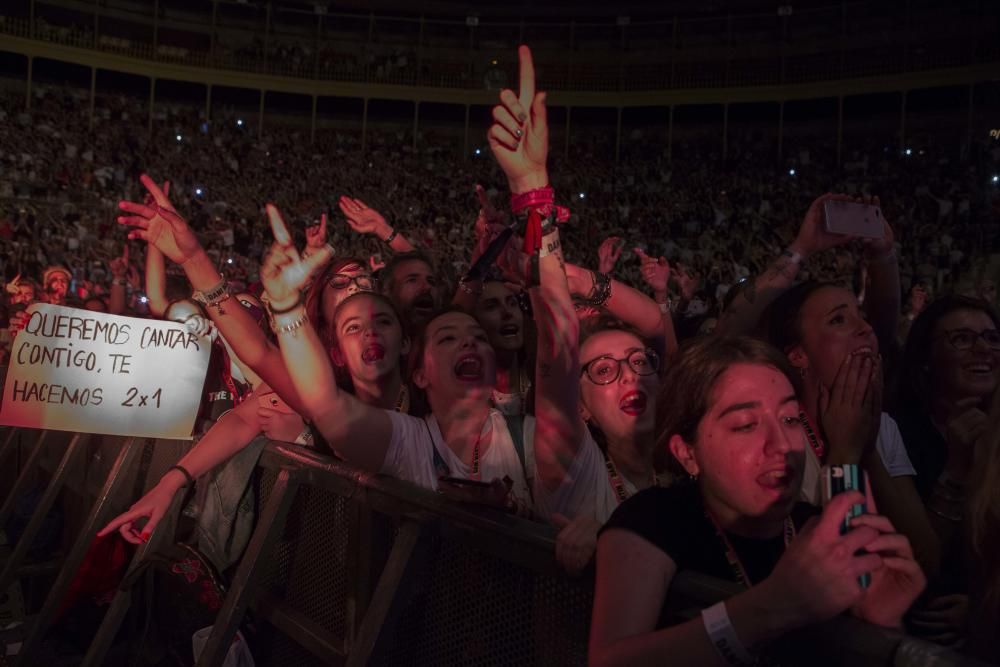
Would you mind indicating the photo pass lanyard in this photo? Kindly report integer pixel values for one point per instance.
(817, 446)
(735, 563)
(616, 481)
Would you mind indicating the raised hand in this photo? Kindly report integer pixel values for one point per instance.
(851, 410)
(687, 282)
(119, 265)
(655, 271)
(813, 237)
(519, 136)
(608, 253)
(159, 224)
(284, 272)
(918, 299)
(875, 248)
(363, 219)
(316, 234)
(966, 425)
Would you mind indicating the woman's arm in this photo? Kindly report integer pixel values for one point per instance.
(357, 432)
(156, 277)
(168, 233)
(633, 578)
(744, 312)
(626, 303)
(519, 141)
(365, 220)
(229, 435)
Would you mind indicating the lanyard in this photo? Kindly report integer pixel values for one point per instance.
(475, 473)
(817, 446)
(735, 563)
(616, 481)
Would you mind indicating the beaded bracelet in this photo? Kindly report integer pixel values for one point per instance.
(292, 326)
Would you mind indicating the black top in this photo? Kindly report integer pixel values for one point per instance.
(673, 520)
(925, 446)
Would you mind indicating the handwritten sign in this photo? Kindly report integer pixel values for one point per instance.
(74, 370)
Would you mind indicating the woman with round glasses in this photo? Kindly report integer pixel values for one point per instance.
(618, 383)
(951, 368)
(951, 371)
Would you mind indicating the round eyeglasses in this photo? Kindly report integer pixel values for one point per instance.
(965, 339)
(607, 369)
(343, 281)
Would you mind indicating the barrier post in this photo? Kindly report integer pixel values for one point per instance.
(22, 480)
(112, 485)
(38, 516)
(269, 528)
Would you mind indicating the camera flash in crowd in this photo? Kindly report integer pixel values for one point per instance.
(791, 172)
(229, 260)
(582, 195)
(478, 151)
(198, 192)
(143, 299)
(996, 179)
(179, 137)
(908, 151)
(239, 122)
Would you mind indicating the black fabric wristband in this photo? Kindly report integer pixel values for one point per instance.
(183, 471)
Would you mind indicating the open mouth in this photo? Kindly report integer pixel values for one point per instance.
(424, 302)
(373, 353)
(865, 350)
(778, 480)
(469, 368)
(983, 368)
(509, 330)
(633, 403)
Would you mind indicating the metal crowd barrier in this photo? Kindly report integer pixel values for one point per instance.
(348, 568)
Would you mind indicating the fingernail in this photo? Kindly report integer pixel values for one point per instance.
(145, 536)
(522, 117)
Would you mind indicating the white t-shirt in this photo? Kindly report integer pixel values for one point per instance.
(586, 490)
(411, 454)
(890, 448)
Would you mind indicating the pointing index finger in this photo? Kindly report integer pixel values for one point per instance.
(526, 77)
(155, 191)
(278, 227)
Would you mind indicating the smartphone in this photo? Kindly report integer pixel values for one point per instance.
(272, 401)
(843, 478)
(853, 219)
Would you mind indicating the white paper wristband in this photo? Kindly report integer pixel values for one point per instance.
(723, 636)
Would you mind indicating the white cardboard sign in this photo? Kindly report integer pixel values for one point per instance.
(75, 370)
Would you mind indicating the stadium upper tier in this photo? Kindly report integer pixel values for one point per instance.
(617, 53)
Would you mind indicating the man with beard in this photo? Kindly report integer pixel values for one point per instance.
(411, 284)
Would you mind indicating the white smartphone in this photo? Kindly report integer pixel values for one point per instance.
(853, 219)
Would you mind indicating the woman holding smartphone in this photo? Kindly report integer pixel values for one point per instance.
(731, 424)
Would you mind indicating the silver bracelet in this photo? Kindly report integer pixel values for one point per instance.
(292, 326)
(211, 297)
